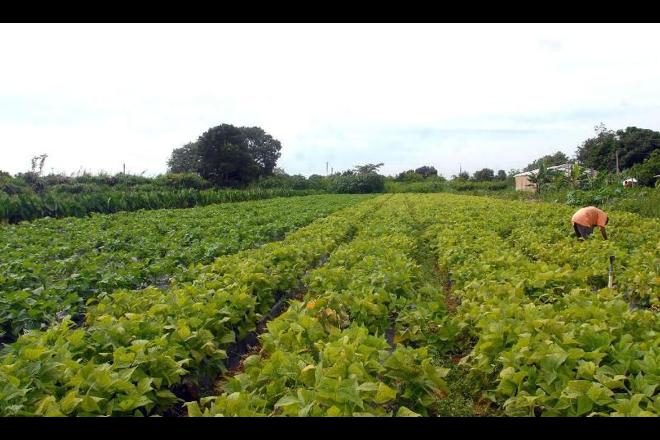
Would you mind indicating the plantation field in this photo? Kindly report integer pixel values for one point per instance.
(396, 305)
(50, 267)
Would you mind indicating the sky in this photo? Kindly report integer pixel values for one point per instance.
(455, 96)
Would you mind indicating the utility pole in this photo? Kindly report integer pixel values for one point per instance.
(617, 162)
(124, 168)
(326, 168)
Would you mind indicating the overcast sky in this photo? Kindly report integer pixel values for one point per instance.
(485, 95)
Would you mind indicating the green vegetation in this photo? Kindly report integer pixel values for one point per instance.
(228, 156)
(400, 305)
(53, 267)
(551, 338)
(57, 204)
(617, 150)
(136, 347)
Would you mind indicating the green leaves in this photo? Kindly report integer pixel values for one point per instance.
(135, 345)
(550, 339)
(545, 337)
(54, 266)
(327, 356)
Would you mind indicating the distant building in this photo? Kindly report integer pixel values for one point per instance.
(629, 182)
(523, 183)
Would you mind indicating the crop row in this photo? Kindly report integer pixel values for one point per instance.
(25, 207)
(51, 267)
(333, 354)
(551, 338)
(542, 333)
(137, 347)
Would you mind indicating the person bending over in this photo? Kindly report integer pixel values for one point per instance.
(585, 219)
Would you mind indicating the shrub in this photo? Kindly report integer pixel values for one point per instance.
(358, 184)
(184, 180)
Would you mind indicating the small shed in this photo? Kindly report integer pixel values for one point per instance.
(523, 183)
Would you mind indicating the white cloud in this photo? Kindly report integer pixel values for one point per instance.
(96, 96)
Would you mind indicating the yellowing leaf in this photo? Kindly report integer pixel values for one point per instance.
(183, 330)
(384, 393)
(398, 339)
(405, 412)
(69, 402)
(32, 354)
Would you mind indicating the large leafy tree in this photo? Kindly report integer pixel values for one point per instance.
(548, 160)
(185, 159)
(484, 175)
(632, 145)
(225, 157)
(368, 168)
(228, 155)
(636, 145)
(427, 171)
(598, 152)
(409, 176)
(264, 148)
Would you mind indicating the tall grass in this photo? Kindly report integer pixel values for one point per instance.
(20, 207)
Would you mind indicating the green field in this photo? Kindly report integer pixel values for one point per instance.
(52, 267)
(395, 305)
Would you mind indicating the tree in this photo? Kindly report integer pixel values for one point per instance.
(463, 175)
(225, 158)
(265, 149)
(542, 177)
(368, 168)
(599, 152)
(636, 145)
(632, 146)
(483, 175)
(409, 176)
(185, 159)
(548, 160)
(279, 172)
(228, 155)
(426, 171)
(645, 172)
(575, 175)
(501, 175)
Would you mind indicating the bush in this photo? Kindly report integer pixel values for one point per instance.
(426, 186)
(183, 181)
(645, 171)
(57, 179)
(357, 184)
(298, 182)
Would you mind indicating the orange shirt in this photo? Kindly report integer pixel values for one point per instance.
(590, 217)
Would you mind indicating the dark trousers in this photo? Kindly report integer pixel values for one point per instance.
(582, 231)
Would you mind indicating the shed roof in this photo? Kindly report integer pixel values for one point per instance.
(562, 167)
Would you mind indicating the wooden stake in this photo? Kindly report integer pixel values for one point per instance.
(610, 280)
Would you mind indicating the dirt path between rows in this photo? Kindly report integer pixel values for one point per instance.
(463, 399)
(239, 351)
